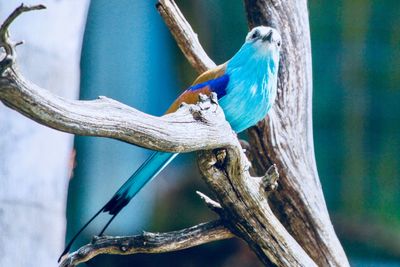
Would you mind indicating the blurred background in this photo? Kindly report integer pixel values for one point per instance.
(129, 55)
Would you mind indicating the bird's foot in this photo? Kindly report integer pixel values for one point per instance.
(208, 101)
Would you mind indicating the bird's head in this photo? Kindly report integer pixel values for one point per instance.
(262, 46)
(265, 40)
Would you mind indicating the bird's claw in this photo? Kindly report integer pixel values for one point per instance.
(207, 101)
(214, 98)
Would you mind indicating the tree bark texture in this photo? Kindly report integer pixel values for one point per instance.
(34, 160)
(285, 138)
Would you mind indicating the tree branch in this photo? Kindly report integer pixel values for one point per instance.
(109, 118)
(5, 43)
(246, 210)
(184, 35)
(285, 138)
(18, 11)
(150, 242)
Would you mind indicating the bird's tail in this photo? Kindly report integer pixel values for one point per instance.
(146, 172)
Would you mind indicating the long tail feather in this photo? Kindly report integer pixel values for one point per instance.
(107, 224)
(68, 247)
(146, 172)
(152, 166)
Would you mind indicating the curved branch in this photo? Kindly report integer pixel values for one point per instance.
(285, 138)
(109, 118)
(18, 11)
(150, 242)
(5, 42)
(184, 35)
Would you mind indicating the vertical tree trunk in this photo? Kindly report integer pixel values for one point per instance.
(285, 137)
(34, 160)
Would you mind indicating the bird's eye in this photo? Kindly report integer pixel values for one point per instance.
(278, 43)
(255, 35)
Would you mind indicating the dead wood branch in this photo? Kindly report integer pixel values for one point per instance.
(150, 242)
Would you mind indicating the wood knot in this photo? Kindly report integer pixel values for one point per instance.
(269, 182)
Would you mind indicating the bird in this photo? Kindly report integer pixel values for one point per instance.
(246, 88)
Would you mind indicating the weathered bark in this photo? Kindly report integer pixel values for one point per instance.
(150, 242)
(34, 160)
(286, 137)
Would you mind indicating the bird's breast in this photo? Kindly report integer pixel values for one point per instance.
(246, 103)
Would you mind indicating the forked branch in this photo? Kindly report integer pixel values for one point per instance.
(5, 42)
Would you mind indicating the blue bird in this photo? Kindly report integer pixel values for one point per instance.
(246, 88)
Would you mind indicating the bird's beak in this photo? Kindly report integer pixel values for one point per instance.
(267, 37)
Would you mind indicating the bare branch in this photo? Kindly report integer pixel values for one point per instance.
(109, 118)
(184, 35)
(285, 138)
(5, 42)
(150, 242)
(212, 204)
(247, 210)
(18, 11)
